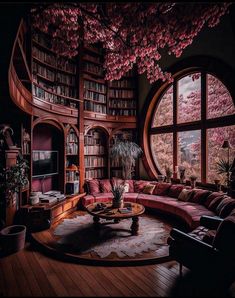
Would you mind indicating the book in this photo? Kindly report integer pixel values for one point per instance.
(125, 210)
(49, 200)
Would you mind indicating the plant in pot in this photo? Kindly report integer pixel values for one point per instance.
(169, 174)
(117, 191)
(126, 152)
(12, 179)
(225, 167)
(193, 179)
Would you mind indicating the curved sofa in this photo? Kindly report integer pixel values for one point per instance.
(175, 199)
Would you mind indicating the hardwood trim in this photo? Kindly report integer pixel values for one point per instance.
(24, 58)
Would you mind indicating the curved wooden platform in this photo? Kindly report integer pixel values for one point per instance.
(47, 242)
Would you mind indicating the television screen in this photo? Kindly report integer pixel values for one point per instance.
(45, 163)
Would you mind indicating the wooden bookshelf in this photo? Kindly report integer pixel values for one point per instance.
(95, 154)
(53, 77)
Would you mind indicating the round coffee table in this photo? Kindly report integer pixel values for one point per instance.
(110, 213)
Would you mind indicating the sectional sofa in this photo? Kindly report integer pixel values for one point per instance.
(175, 199)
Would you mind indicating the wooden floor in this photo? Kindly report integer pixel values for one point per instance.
(30, 273)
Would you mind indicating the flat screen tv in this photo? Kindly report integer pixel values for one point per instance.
(45, 163)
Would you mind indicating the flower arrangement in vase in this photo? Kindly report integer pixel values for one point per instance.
(117, 191)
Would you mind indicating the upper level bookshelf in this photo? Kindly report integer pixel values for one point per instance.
(53, 77)
(95, 154)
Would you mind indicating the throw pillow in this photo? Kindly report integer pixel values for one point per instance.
(185, 195)
(105, 185)
(93, 186)
(126, 187)
(162, 189)
(225, 206)
(139, 185)
(199, 195)
(214, 203)
(175, 190)
(131, 185)
(148, 189)
(211, 197)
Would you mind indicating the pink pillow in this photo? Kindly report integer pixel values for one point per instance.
(161, 189)
(139, 185)
(199, 195)
(175, 190)
(105, 185)
(131, 185)
(211, 197)
(93, 186)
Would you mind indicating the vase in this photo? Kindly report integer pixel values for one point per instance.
(117, 203)
(168, 179)
(193, 183)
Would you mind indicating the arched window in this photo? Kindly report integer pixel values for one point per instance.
(191, 119)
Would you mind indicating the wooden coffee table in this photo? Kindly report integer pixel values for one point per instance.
(114, 214)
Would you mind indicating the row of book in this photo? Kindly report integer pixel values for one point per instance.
(118, 93)
(94, 107)
(117, 103)
(52, 98)
(95, 59)
(72, 176)
(95, 161)
(50, 58)
(97, 87)
(59, 89)
(43, 71)
(72, 137)
(115, 163)
(71, 148)
(95, 173)
(121, 84)
(95, 149)
(96, 69)
(91, 95)
(116, 173)
(115, 112)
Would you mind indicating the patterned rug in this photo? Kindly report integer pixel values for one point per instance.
(78, 235)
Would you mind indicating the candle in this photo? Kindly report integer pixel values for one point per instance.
(176, 169)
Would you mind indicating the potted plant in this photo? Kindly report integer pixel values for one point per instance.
(117, 191)
(126, 152)
(168, 174)
(11, 179)
(193, 179)
(224, 167)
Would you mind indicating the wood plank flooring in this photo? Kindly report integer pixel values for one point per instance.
(30, 273)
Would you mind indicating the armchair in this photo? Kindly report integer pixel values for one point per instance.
(209, 248)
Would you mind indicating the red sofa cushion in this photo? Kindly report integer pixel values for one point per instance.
(175, 190)
(185, 195)
(148, 189)
(130, 197)
(93, 186)
(199, 195)
(105, 185)
(210, 198)
(225, 207)
(103, 197)
(139, 185)
(214, 203)
(161, 189)
(87, 200)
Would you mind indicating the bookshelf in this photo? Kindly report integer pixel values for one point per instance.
(95, 154)
(72, 162)
(121, 135)
(53, 77)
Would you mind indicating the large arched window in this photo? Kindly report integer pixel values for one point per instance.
(190, 120)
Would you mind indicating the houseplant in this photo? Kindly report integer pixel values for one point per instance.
(117, 191)
(126, 152)
(224, 167)
(168, 174)
(193, 179)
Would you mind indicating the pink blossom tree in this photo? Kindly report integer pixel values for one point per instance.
(130, 33)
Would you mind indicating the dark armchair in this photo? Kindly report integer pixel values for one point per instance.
(209, 248)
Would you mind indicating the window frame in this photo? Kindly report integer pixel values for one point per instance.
(154, 98)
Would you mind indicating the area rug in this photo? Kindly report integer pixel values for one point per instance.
(78, 235)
